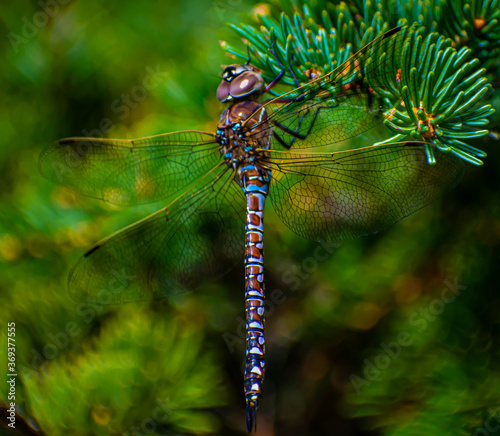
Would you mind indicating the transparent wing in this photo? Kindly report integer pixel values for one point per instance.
(129, 172)
(354, 193)
(342, 104)
(172, 251)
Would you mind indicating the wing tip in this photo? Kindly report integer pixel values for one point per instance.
(66, 141)
(414, 144)
(92, 250)
(391, 32)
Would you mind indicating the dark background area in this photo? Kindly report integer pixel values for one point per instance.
(366, 340)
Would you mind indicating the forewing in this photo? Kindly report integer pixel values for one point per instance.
(172, 251)
(341, 104)
(129, 172)
(349, 194)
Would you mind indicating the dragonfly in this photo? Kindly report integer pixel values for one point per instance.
(217, 183)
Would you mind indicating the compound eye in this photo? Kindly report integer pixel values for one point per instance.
(223, 92)
(246, 83)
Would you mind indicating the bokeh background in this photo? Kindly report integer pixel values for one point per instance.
(396, 333)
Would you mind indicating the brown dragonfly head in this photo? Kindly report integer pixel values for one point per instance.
(239, 81)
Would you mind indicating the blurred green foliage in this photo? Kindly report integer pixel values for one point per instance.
(361, 337)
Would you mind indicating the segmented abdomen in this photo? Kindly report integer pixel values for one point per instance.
(255, 186)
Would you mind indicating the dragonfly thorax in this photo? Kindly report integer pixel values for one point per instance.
(243, 134)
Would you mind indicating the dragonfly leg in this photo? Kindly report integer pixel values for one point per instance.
(275, 81)
(296, 133)
(291, 72)
(282, 72)
(289, 67)
(249, 55)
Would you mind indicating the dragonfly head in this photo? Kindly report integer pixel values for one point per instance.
(239, 81)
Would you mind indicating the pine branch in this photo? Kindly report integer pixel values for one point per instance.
(441, 97)
(441, 87)
(476, 25)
